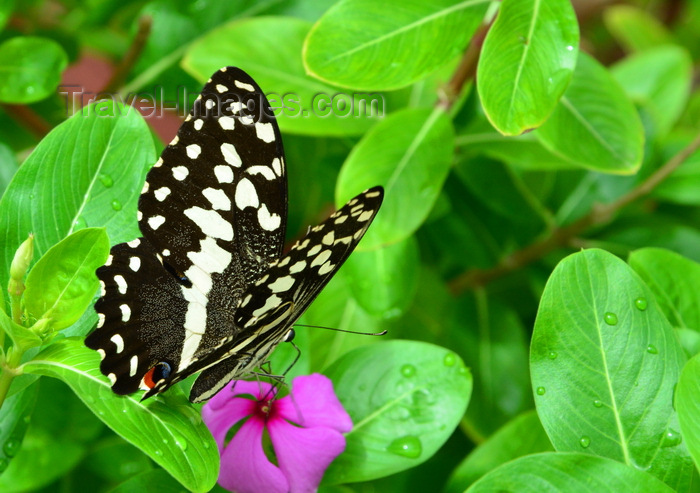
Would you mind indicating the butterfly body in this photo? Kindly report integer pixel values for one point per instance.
(207, 287)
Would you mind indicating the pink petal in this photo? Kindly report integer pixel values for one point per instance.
(219, 421)
(224, 410)
(312, 402)
(244, 466)
(304, 454)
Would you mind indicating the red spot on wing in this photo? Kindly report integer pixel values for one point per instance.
(148, 378)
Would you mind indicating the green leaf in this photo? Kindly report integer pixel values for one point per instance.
(356, 44)
(15, 415)
(690, 340)
(114, 460)
(336, 307)
(683, 185)
(22, 337)
(305, 105)
(556, 472)
(88, 171)
(675, 282)
(526, 62)
(492, 341)
(521, 436)
(303, 9)
(168, 429)
(688, 406)
(634, 28)
(62, 283)
(383, 281)
(6, 8)
(175, 26)
(659, 80)
(604, 361)
(56, 440)
(155, 480)
(42, 460)
(8, 166)
(655, 230)
(405, 399)
(31, 69)
(76, 421)
(410, 153)
(524, 151)
(596, 129)
(499, 187)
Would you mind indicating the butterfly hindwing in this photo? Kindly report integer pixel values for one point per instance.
(300, 274)
(141, 312)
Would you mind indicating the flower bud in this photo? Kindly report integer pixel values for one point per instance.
(20, 265)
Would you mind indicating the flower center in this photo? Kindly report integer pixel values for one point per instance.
(264, 408)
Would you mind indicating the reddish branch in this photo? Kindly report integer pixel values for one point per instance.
(127, 63)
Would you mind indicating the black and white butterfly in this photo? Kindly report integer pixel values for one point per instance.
(207, 287)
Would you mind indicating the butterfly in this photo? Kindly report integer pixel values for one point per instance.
(207, 287)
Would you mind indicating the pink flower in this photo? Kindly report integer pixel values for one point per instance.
(305, 428)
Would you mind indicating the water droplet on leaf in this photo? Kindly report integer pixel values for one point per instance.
(181, 442)
(610, 318)
(423, 397)
(408, 446)
(541, 390)
(641, 303)
(400, 413)
(584, 441)
(450, 359)
(651, 349)
(116, 205)
(671, 438)
(11, 446)
(553, 355)
(408, 370)
(598, 403)
(404, 386)
(106, 180)
(79, 223)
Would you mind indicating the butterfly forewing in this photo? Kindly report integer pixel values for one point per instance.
(281, 295)
(216, 201)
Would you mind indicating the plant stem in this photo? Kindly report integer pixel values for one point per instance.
(9, 371)
(561, 236)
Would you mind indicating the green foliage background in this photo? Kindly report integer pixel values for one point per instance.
(534, 261)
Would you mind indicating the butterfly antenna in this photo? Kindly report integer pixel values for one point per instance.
(343, 330)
